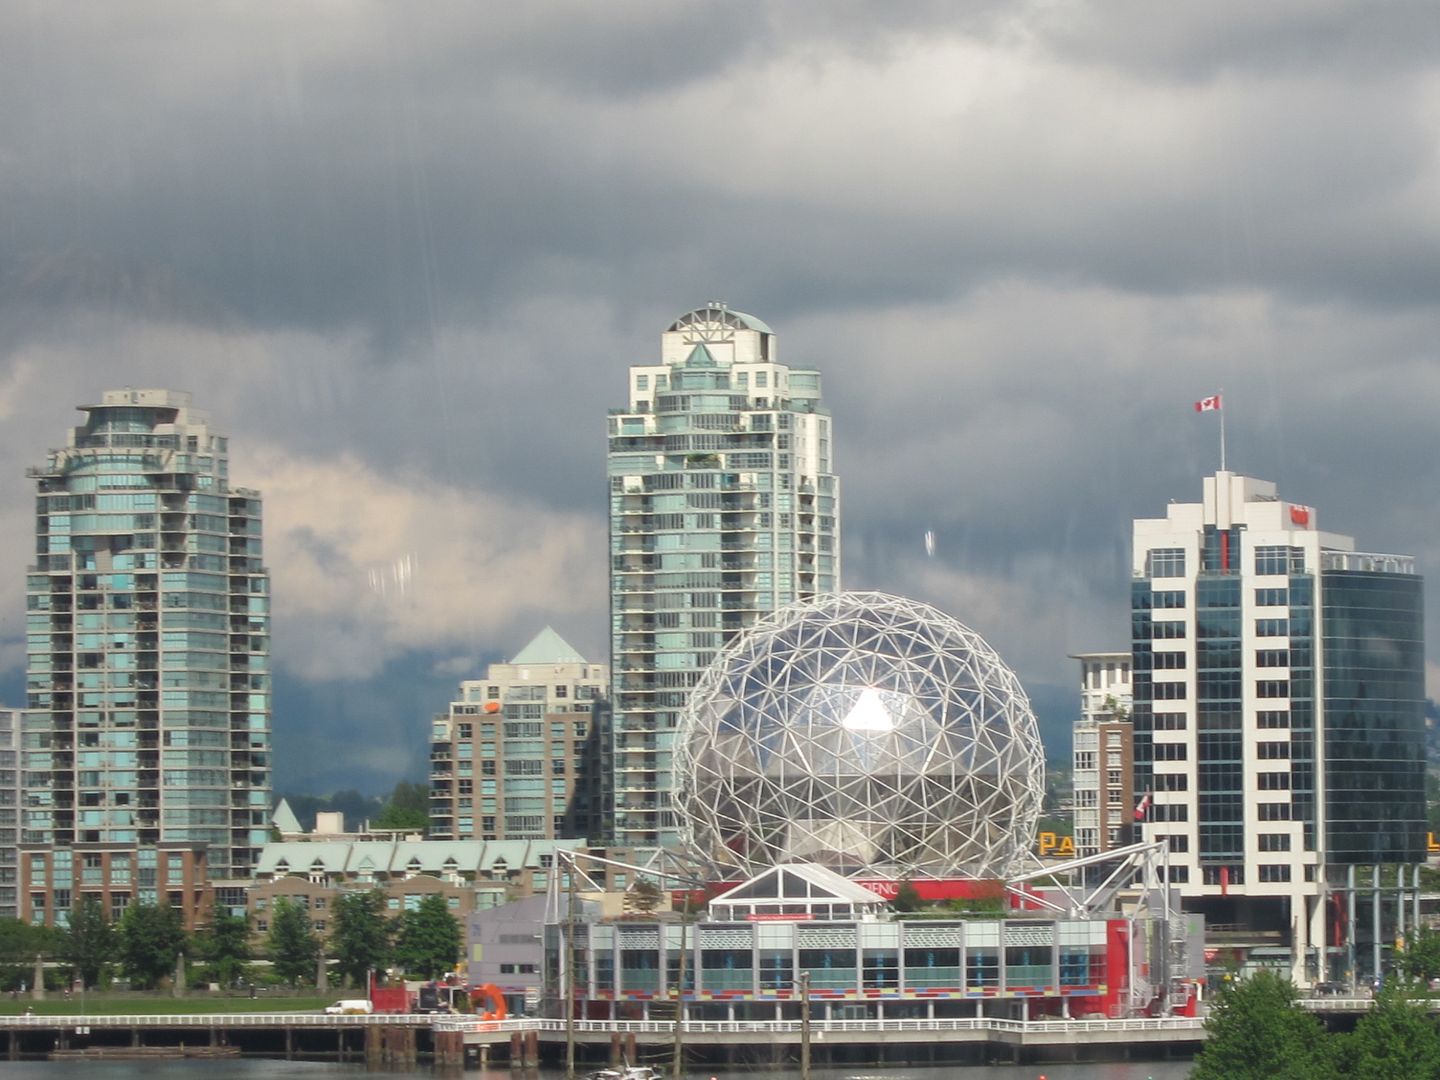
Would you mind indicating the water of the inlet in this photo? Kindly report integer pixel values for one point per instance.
(261, 1069)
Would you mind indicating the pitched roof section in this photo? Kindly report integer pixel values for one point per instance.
(700, 356)
(800, 881)
(284, 818)
(392, 857)
(548, 647)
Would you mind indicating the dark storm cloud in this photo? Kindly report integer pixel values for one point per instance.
(1278, 39)
(410, 251)
(388, 172)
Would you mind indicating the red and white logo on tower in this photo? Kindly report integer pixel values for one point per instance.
(1208, 404)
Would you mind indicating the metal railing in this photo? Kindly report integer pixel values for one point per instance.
(228, 1019)
(1175, 1024)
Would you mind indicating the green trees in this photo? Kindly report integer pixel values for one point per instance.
(907, 897)
(149, 938)
(407, 808)
(1397, 1040)
(20, 943)
(294, 948)
(360, 934)
(429, 939)
(224, 945)
(1420, 958)
(89, 941)
(1258, 1032)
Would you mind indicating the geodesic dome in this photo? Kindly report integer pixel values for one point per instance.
(870, 733)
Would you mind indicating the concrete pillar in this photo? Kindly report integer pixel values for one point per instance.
(532, 1049)
(1375, 916)
(289, 1044)
(1350, 894)
(1400, 904)
(1320, 933)
(1300, 939)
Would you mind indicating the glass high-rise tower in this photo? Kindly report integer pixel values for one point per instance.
(724, 506)
(148, 639)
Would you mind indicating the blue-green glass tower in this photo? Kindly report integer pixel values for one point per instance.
(148, 639)
(724, 506)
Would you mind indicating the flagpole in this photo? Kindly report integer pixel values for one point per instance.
(1221, 397)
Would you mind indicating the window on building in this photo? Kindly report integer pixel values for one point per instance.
(1165, 562)
(1215, 875)
(881, 969)
(1272, 597)
(1279, 559)
(1274, 872)
(1274, 841)
(1170, 812)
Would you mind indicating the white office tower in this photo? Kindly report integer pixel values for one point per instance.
(1278, 724)
(723, 507)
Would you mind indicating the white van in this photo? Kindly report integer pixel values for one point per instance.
(350, 1007)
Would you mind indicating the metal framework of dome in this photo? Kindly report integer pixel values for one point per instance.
(870, 733)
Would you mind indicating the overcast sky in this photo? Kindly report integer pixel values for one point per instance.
(405, 253)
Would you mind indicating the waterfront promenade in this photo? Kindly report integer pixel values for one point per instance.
(454, 1039)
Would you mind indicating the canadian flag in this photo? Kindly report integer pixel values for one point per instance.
(1142, 808)
(1300, 515)
(1208, 404)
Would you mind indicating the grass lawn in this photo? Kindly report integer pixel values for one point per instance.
(138, 1004)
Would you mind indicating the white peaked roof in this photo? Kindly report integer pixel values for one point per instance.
(799, 881)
